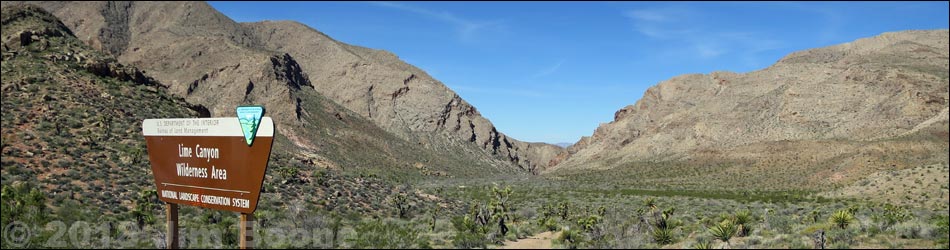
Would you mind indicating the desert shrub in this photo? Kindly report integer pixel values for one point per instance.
(145, 205)
(23, 202)
(702, 243)
(548, 223)
(842, 218)
(589, 223)
(889, 216)
(724, 231)
(484, 223)
(563, 210)
(909, 230)
(389, 235)
(401, 203)
(663, 236)
(571, 238)
(663, 226)
(840, 239)
(943, 231)
(839, 245)
(779, 223)
(466, 236)
(743, 220)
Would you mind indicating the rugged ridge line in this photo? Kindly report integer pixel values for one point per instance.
(399, 97)
(862, 99)
(202, 55)
(210, 52)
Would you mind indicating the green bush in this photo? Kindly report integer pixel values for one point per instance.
(388, 235)
(663, 226)
(401, 202)
(779, 223)
(468, 240)
(842, 218)
(702, 243)
(890, 216)
(23, 202)
(663, 236)
(743, 221)
(549, 224)
(724, 231)
(943, 230)
(841, 239)
(571, 238)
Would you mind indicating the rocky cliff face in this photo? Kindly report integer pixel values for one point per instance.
(206, 57)
(872, 91)
(195, 51)
(72, 129)
(397, 96)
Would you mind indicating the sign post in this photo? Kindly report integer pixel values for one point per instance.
(247, 238)
(216, 163)
(171, 221)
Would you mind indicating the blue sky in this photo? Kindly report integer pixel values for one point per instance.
(553, 71)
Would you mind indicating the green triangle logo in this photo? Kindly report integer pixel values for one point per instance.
(250, 118)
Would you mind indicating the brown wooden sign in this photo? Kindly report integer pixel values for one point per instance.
(208, 162)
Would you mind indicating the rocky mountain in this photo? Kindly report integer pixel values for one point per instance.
(72, 115)
(72, 129)
(209, 59)
(397, 96)
(822, 116)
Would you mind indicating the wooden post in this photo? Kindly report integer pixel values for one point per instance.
(171, 220)
(247, 228)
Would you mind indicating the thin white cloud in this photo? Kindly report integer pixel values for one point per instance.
(549, 70)
(685, 26)
(467, 29)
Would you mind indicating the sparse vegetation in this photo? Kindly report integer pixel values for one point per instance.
(78, 156)
(943, 231)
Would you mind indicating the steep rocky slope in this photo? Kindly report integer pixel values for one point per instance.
(71, 116)
(397, 96)
(72, 128)
(211, 60)
(820, 117)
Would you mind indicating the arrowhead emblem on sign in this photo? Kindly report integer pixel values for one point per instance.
(250, 118)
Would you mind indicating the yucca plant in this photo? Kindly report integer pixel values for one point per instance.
(842, 218)
(743, 219)
(650, 202)
(663, 236)
(663, 226)
(724, 231)
(702, 243)
(588, 224)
